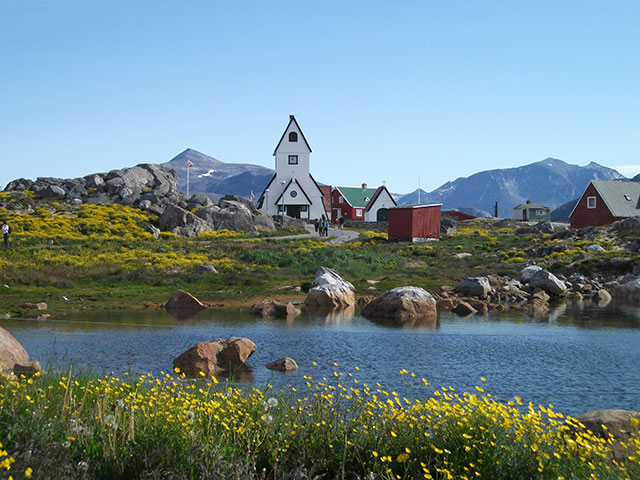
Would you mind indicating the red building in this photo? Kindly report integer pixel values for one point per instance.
(415, 222)
(361, 203)
(606, 201)
(458, 215)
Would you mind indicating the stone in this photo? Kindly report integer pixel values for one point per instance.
(528, 272)
(28, 369)
(444, 304)
(474, 287)
(548, 282)
(215, 357)
(401, 305)
(616, 423)
(53, 191)
(448, 226)
(595, 248)
(329, 289)
(601, 297)
(11, 352)
(536, 308)
(541, 295)
(464, 309)
(155, 231)
(273, 309)
(182, 300)
(479, 306)
(35, 306)
(286, 364)
(204, 269)
(180, 222)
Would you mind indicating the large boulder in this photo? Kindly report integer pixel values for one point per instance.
(184, 301)
(236, 214)
(180, 222)
(215, 357)
(620, 424)
(401, 305)
(474, 287)
(528, 272)
(11, 352)
(548, 282)
(329, 289)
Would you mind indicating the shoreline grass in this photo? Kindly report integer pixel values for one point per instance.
(109, 427)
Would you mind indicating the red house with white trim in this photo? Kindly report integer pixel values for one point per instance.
(606, 201)
(361, 203)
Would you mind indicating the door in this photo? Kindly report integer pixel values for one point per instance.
(382, 215)
(293, 211)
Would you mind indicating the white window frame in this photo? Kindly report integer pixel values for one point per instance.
(591, 202)
(293, 159)
(358, 212)
(340, 199)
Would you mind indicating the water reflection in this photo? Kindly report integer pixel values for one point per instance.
(329, 315)
(419, 323)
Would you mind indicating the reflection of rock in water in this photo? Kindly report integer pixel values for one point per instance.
(183, 314)
(243, 374)
(330, 315)
(557, 310)
(421, 323)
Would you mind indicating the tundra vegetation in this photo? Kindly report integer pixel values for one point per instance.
(102, 256)
(65, 426)
(62, 425)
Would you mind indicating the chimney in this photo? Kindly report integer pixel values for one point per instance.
(528, 202)
(364, 186)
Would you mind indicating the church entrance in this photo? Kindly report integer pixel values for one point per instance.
(382, 215)
(293, 211)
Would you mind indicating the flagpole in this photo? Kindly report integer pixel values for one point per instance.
(188, 178)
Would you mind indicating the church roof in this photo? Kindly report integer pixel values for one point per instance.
(293, 120)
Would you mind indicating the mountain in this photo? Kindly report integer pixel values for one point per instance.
(561, 214)
(550, 182)
(215, 178)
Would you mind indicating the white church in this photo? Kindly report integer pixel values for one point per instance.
(292, 188)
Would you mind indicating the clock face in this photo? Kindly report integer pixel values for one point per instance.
(293, 194)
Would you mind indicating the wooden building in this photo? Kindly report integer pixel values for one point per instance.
(415, 223)
(531, 212)
(606, 201)
(361, 203)
(457, 214)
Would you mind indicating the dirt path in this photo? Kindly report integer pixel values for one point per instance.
(334, 237)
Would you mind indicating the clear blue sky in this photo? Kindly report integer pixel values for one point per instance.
(401, 91)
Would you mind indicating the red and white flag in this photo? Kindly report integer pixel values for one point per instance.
(189, 164)
(253, 197)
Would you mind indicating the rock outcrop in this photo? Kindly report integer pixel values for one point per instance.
(548, 282)
(182, 301)
(620, 424)
(401, 305)
(210, 358)
(286, 364)
(329, 289)
(273, 309)
(153, 188)
(11, 352)
(474, 287)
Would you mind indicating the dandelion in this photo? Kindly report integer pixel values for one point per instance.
(84, 466)
(267, 418)
(28, 472)
(190, 415)
(110, 421)
(272, 402)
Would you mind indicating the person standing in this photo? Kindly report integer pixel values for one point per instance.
(6, 230)
(341, 222)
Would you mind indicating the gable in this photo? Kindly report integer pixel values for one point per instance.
(381, 194)
(622, 198)
(291, 186)
(357, 196)
(284, 140)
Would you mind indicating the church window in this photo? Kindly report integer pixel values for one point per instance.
(293, 194)
(293, 137)
(293, 159)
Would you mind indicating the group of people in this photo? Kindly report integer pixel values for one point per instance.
(6, 230)
(322, 225)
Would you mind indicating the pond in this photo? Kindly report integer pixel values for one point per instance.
(580, 358)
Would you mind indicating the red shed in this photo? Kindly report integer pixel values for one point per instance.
(606, 201)
(415, 222)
